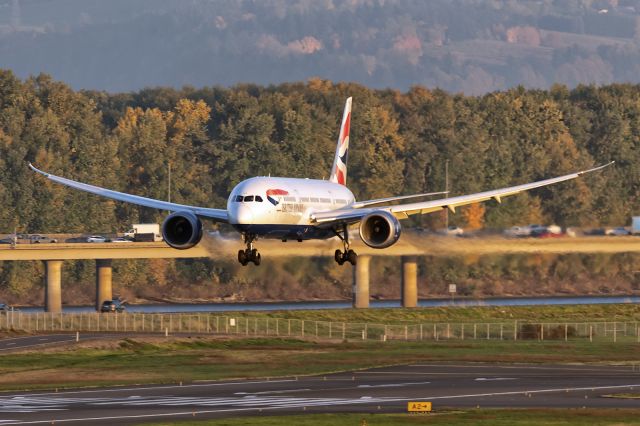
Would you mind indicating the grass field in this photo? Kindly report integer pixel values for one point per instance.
(173, 360)
(505, 417)
(557, 313)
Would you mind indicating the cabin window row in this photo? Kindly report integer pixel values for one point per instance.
(257, 198)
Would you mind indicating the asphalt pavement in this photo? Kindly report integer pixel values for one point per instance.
(9, 344)
(380, 390)
(26, 342)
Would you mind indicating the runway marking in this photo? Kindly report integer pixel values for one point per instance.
(408, 373)
(159, 387)
(280, 403)
(393, 385)
(493, 379)
(275, 403)
(613, 368)
(31, 405)
(273, 391)
(525, 392)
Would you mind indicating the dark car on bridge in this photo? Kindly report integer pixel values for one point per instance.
(112, 306)
(7, 308)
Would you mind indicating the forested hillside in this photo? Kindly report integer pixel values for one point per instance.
(214, 137)
(468, 46)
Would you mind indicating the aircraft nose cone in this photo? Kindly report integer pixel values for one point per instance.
(244, 215)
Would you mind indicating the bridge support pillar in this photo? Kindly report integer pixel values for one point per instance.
(53, 286)
(409, 281)
(361, 282)
(104, 273)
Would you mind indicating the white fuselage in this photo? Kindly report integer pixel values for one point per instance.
(274, 207)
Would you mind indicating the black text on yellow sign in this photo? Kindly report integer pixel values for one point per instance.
(419, 407)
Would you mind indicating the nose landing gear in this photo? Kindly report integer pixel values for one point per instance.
(249, 254)
(347, 255)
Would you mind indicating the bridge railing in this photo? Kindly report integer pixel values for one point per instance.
(209, 323)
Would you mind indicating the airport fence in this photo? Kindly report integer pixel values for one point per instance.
(204, 323)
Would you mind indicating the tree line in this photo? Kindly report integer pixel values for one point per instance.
(209, 139)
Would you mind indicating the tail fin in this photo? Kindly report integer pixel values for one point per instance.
(339, 168)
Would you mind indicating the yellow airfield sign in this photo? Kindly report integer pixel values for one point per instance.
(419, 407)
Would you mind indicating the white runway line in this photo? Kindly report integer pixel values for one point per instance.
(613, 368)
(273, 391)
(302, 402)
(142, 389)
(393, 385)
(29, 405)
(494, 379)
(406, 373)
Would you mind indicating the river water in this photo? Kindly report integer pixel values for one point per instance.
(426, 303)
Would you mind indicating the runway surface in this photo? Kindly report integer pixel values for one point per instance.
(375, 390)
(27, 342)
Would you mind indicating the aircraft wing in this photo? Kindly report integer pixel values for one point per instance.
(361, 204)
(403, 211)
(219, 215)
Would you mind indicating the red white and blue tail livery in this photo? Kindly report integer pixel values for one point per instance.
(303, 209)
(339, 168)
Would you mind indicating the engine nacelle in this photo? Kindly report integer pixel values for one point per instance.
(380, 229)
(182, 230)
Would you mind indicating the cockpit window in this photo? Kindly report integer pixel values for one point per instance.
(239, 198)
(248, 198)
(258, 198)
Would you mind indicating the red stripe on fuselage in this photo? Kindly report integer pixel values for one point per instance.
(277, 192)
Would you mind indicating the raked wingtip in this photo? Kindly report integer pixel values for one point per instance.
(35, 169)
(610, 163)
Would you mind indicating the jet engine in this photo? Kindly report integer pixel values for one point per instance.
(380, 229)
(182, 230)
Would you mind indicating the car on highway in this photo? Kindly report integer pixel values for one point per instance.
(114, 305)
(517, 232)
(121, 240)
(37, 239)
(551, 231)
(537, 230)
(28, 239)
(96, 239)
(618, 231)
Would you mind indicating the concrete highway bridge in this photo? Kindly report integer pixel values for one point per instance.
(409, 248)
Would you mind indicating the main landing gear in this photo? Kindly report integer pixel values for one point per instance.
(347, 255)
(249, 254)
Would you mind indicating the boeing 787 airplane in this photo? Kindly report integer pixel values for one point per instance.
(303, 209)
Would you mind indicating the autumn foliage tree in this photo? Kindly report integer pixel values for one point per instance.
(214, 137)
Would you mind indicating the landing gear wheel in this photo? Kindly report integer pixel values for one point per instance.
(347, 255)
(249, 254)
(352, 257)
(242, 257)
